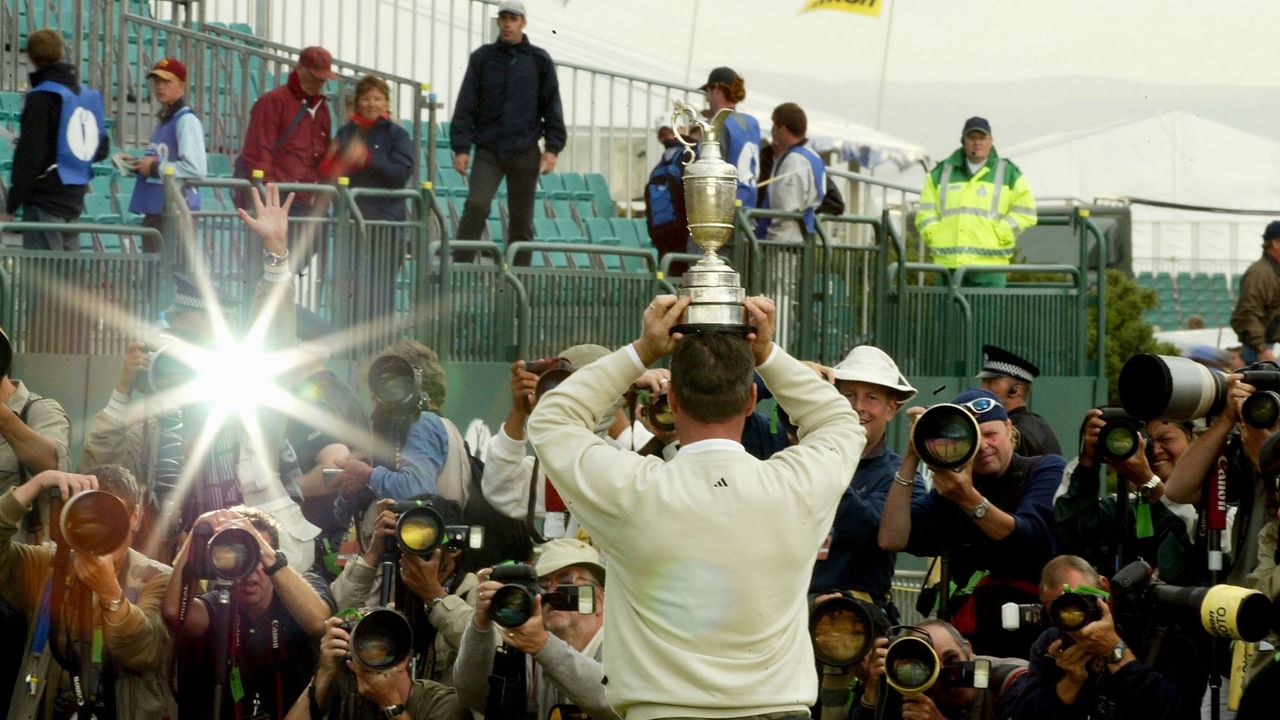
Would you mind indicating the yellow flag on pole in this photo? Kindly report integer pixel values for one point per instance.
(861, 7)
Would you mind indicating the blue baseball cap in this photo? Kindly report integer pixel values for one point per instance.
(995, 412)
(976, 123)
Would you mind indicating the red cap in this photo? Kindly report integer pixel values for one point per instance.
(317, 60)
(169, 69)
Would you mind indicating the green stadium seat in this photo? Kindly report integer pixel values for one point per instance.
(569, 230)
(546, 230)
(576, 186)
(1164, 280)
(1201, 281)
(1183, 280)
(625, 232)
(496, 233)
(561, 209)
(449, 181)
(98, 209)
(553, 185)
(1146, 279)
(584, 209)
(100, 185)
(219, 165)
(122, 203)
(599, 231)
(602, 197)
(442, 136)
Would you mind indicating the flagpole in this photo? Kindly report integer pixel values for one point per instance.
(688, 62)
(884, 67)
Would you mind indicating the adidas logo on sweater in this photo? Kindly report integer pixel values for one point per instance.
(721, 483)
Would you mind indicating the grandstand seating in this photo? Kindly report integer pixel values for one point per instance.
(1209, 295)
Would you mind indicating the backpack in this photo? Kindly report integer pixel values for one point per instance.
(832, 200)
(505, 538)
(664, 198)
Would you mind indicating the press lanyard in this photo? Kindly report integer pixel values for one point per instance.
(236, 682)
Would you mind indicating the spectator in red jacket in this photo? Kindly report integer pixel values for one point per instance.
(289, 127)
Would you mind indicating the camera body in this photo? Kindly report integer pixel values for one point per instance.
(912, 666)
(1071, 611)
(1120, 437)
(550, 371)
(1222, 610)
(512, 604)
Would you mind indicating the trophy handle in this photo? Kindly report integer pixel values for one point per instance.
(680, 113)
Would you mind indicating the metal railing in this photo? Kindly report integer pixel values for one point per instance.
(86, 303)
(870, 196)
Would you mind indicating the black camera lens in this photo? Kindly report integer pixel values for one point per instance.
(842, 630)
(911, 665)
(946, 436)
(1118, 441)
(95, 522)
(233, 553)
(419, 531)
(660, 413)
(511, 606)
(394, 382)
(1261, 409)
(1072, 611)
(381, 639)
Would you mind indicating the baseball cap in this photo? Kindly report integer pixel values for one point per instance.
(563, 552)
(1272, 231)
(580, 356)
(317, 60)
(976, 123)
(169, 69)
(998, 362)
(515, 7)
(870, 364)
(995, 412)
(720, 76)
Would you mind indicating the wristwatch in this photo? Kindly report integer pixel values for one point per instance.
(1117, 652)
(273, 260)
(392, 712)
(981, 511)
(280, 563)
(1149, 485)
(112, 605)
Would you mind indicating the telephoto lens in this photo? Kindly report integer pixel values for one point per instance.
(911, 664)
(946, 436)
(1170, 388)
(512, 604)
(1261, 409)
(95, 522)
(166, 370)
(381, 638)
(1072, 610)
(396, 384)
(233, 553)
(419, 531)
(842, 629)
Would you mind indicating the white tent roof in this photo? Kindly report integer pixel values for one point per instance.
(1169, 156)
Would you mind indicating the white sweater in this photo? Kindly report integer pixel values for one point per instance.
(711, 553)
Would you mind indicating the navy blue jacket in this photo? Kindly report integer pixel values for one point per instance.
(390, 165)
(1134, 691)
(855, 560)
(510, 98)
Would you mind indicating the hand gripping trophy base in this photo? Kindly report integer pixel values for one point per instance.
(717, 299)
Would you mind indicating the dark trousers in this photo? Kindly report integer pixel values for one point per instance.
(67, 241)
(487, 171)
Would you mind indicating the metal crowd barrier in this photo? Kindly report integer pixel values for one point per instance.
(88, 303)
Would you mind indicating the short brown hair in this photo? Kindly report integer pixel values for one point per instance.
(711, 374)
(119, 481)
(791, 116)
(373, 82)
(44, 47)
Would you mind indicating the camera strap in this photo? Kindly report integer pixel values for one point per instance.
(278, 658)
(533, 505)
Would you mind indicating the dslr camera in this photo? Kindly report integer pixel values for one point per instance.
(1120, 437)
(912, 666)
(420, 529)
(550, 371)
(512, 604)
(843, 629)
(91, 522)
(1176, 388)
(396, 385)
(1071, 611)
(1222, 610)
(227, 554)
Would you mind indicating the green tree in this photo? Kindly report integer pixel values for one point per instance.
(1128, 334)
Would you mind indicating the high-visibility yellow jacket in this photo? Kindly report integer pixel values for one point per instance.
(974, 219)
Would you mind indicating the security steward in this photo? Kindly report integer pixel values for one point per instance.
(973, 206)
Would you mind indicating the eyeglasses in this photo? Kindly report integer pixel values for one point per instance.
(977, 406)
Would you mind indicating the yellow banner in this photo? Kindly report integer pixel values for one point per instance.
(861, 7)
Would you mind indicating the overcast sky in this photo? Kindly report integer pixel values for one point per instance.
(1169, 41)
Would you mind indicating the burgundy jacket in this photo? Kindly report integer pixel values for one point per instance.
(299, 158)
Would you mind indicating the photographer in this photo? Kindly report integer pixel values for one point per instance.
(427, 452)
(120, 592)
(1092, 672)
(562, 649)
(1261, 683)
(510, 474)
(991, 521)
(133, 435)
(278, 614)
(942, 700)
(1086, 523)
(711, 553)
(446, 591)
(391, 692)
(34, 432)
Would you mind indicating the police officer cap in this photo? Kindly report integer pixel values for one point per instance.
(187, 296)
(998, 362)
